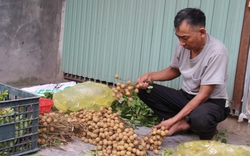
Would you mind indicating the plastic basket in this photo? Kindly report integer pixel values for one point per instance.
(19, 121)
(45, 105)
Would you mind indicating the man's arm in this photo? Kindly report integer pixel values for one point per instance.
(164, 75)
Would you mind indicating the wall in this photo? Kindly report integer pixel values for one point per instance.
(129, 38)
(30, 32)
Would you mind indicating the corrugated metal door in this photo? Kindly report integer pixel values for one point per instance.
(131, 37)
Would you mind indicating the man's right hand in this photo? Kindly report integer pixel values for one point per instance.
(144, 81)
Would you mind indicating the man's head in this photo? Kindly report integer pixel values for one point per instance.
(194, 17)
(189, 26)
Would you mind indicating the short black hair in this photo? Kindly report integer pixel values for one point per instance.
(194, 17)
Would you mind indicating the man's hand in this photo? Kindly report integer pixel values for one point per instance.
(181, 125)
(164, 75)
(167, 124)
(144, 81)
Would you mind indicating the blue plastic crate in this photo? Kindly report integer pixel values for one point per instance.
(19, 121)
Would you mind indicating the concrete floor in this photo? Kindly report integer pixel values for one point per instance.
(77, 147)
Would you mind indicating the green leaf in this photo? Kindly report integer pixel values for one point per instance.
(128, 115)
(48, 95)
(68, 111)
(167, 151)
(131, 104)
(138, 110)
(44, 136)
(224, 141)
(144, 112)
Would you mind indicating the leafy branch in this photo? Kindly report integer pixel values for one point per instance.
(136, 111)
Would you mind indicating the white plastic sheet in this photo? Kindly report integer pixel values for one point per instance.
(51, 88)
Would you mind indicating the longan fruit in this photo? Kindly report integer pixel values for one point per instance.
(128, 93)
(73, 137)
(151, 141)
(145, 138)
(138, 152)
(163, 133)
(156, 152)
(118, 88)
(166, 131)
(130, 87)
(130, 99)
(51, 129)
(39, 140)
(116, 76)
(151, 148)
(123, 86)
(43, 141)
(122, 152)
(60, 111)
(45, 124)
(125, 145)
(158, 131)
(99, 147)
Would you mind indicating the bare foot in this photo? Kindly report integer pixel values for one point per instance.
(213, 138)
(182, 125)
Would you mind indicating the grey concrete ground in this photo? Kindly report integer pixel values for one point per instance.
(77, 147)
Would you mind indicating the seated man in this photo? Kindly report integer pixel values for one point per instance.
(203, 63)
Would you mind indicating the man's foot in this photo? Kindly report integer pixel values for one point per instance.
(213, 138)
(182, 125)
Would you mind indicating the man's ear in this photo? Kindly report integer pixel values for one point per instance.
(203, 32)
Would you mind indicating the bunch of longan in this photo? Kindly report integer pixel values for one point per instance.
(153, 140)
(125, 89)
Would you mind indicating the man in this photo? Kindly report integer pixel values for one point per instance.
(202, 61)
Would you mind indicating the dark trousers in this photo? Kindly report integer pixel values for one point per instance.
(167, 102)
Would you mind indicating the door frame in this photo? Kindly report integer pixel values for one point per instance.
(241, 63)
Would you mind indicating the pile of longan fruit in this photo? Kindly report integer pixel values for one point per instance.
(125, 89)
(111, 135)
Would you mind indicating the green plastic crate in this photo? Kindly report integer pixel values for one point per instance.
(19, 121)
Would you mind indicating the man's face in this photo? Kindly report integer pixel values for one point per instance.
(190, 38)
